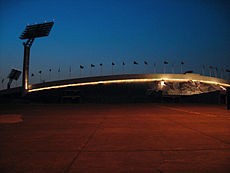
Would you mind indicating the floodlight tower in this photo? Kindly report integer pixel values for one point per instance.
(30, 33)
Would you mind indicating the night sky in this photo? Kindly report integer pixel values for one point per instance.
(196, 32)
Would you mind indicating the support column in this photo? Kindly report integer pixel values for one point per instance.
(25, 76)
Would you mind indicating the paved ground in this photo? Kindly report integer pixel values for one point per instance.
(114, 138)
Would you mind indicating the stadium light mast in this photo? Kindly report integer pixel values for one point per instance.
(30, 33)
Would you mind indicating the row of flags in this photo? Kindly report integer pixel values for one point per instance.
(123, 63)
(135, 63)
(93, 65)
(215, 68)
(113, 64)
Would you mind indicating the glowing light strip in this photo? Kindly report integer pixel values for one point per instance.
(124, 81)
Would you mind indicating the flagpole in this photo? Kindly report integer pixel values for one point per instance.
(221, 73)
(226, 75)
(145, 65)
(173, 69)
(101, 69)
(91, 68)
(40, 76)
(210, 72)
(112, 67)
(181, 67)
(144, 69)
(70, 71)
(59, 70)
(50, 74)
(135, 63)
(123, 67)
(203, 70)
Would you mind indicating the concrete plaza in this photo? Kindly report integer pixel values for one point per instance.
(143, 137)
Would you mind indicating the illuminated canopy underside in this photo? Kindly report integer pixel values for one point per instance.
(171, 80)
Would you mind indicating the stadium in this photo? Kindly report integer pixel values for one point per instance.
(114, 88)
(186, 87)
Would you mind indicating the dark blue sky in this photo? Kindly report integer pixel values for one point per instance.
(101, 31)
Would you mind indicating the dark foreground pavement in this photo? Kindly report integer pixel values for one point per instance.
(114, 138)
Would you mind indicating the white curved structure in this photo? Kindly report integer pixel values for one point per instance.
(174, 84)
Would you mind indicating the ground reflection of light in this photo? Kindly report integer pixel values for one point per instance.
(162, 83)
(125, 81)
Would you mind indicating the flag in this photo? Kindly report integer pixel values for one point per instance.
(113, 63)
(145, 62)
(81, 66)
(123, 63)
(40, 71)
(182, 63)
(50, 70)
(165, 62)
(101, 64)
(134, 62)
(32, 75)
(92, 65)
